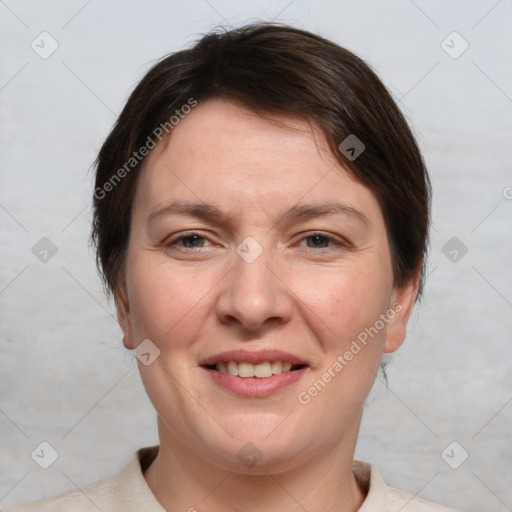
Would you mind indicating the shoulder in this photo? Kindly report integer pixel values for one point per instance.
(89, 499)
(126, 491)
(407, 502)
(380, 497)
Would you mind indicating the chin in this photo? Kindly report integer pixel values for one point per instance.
(259, 446)
(257, 458)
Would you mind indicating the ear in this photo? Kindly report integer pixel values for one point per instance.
(402, 302)
(123, 317)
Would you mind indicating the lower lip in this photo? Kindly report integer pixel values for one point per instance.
(253, 386)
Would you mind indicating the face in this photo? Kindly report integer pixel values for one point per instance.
(261, 271)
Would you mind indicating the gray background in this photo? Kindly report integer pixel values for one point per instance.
(65, 377)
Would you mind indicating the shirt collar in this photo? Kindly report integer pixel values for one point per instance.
(131, 489)
(372, 484)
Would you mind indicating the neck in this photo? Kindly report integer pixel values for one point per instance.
(182, 480)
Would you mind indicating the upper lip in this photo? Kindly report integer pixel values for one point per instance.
(253, 357)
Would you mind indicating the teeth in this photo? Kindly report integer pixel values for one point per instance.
(232, 368)
(263, 370)
(245, 369)
(277, 367)
(260, 370)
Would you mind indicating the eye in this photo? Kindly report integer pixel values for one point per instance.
(192, 241)
(322, 241)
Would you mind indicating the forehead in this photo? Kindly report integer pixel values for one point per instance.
(225, 154)
(232, 135)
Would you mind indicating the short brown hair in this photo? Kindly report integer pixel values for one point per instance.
(271, 68)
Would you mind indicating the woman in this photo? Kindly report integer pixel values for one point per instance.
(261, 218)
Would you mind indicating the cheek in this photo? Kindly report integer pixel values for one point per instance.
(346, 301)
(161, 299)
(346, 321)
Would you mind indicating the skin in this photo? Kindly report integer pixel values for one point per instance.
(310, 296)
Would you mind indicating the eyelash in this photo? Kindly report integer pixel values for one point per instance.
(173, 242)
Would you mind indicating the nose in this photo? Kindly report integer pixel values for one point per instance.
(254, 294)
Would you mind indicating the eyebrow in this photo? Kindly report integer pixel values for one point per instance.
(295, 213)
(309, 211)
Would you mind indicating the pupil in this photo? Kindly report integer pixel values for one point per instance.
(192, 239)
(318, 240)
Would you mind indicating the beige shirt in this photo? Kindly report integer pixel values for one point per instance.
(128, 492)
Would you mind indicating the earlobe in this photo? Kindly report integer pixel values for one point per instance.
(403, 300)
(123, 318)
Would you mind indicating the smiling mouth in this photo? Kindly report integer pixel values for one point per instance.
(261, 370)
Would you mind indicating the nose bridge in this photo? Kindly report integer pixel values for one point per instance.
(253, 293)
